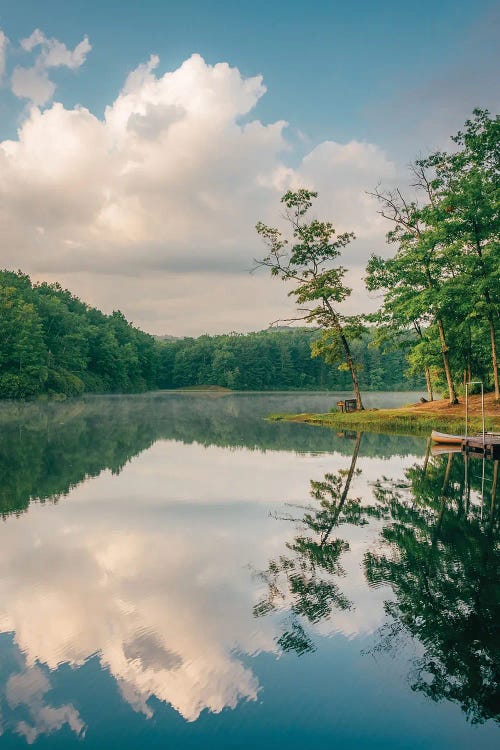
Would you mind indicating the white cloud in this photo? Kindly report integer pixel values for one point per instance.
(169, 185)
(33, 83)
(54, 53)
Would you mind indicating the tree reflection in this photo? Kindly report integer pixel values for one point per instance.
(438, 550)
(46, 449)
(305, 579)
(440, 554)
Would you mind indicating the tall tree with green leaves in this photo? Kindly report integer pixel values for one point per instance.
(307, 259)
(414, 281)
(23, 354)
(465, 209)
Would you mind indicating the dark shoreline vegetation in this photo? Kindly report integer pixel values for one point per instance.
(53, 344)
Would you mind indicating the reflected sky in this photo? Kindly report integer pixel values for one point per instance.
(150, 575)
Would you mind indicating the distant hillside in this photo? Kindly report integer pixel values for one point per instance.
(53, 343)
(166, 337)
(277, 359)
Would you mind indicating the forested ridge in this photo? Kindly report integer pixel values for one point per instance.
(53, 343)
(279, 360)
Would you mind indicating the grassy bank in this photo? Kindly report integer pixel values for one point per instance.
(203, 389)
(415, 419)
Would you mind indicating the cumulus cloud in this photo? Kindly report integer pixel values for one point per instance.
(169, 184)
(33, 82)
(54, 53)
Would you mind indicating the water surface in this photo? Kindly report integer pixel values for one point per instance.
(178, 572)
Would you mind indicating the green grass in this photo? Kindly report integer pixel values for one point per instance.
(390, 421)
(211, 388)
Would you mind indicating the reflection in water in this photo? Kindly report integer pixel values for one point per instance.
(157, 605)
(23, 699)
(440, 554)
(47, 449)
(438, 551)
(304, 581)
(146, 573)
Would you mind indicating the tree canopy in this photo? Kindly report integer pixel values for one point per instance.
(443, 283)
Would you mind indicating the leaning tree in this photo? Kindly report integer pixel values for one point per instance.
(307, 259)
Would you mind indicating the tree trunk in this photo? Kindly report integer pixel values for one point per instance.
(345, 490)
(489, 315)
(494, 357)
(347, 351)
(352, 369)
(452, 395)
(494, 486)
(427, 454)
(428, 383)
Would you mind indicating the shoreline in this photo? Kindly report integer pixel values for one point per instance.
(416, 419)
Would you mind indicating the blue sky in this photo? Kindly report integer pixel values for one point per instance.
(331, 68)
(394, 78)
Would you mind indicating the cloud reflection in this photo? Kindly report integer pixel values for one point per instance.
(161, 590)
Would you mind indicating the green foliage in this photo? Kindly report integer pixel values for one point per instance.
(440, 554)
(51, 342)
(280, 360)
(307, 260)
(23, 353)
(443, 283)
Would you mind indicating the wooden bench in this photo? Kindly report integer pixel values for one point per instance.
(349, 404)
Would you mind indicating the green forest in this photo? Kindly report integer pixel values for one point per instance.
(278, 360)
(52, 343)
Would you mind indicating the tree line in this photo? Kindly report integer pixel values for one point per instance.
(53, 343)
(278, 360)
(440, 290)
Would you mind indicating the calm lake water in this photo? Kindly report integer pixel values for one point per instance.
(179, 573)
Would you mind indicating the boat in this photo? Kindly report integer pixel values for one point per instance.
(442, 437)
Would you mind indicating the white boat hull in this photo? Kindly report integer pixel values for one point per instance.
(442, 437)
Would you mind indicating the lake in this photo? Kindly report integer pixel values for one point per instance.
(178, 572)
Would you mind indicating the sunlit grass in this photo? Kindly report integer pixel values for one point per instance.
(391, 421)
